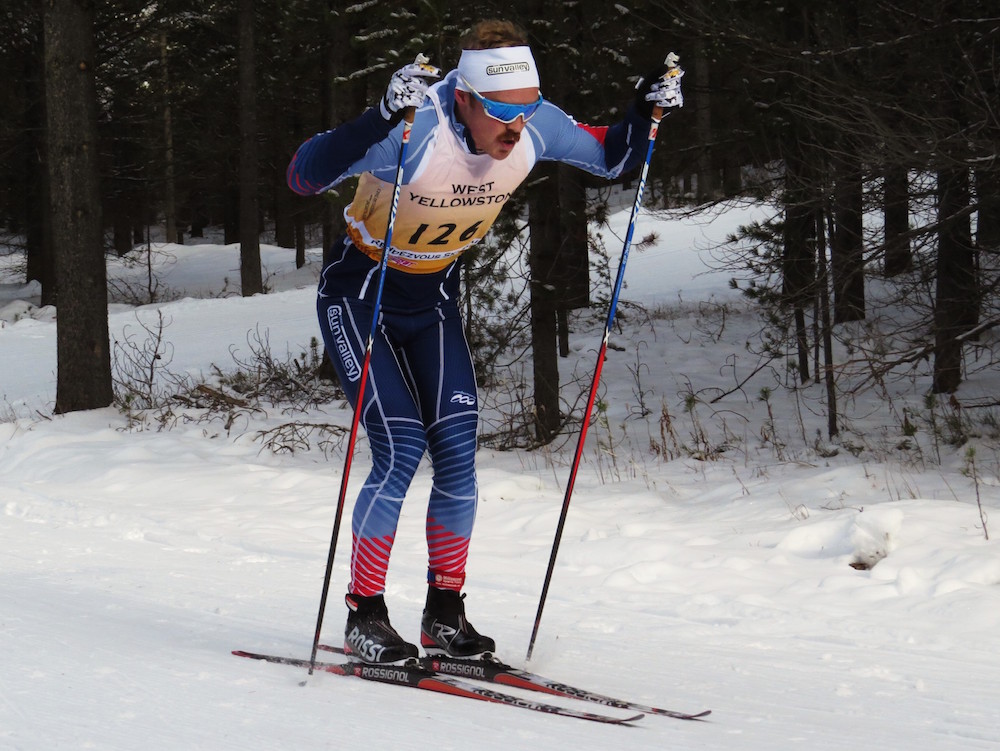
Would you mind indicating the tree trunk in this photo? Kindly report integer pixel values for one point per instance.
(956, 304)
(123, 187)
(543, 224)
(300, 240)
(898, 257)
(732, 175)
(284, 208)
(569, 270)
(956, 307)
(846, 248)
(282, 146)
(847, 262)
(707, 181)
(84, 363)
(798, 264)
(339, 58)
(988, 216)
(251, 278)
(169, 186)
(826, 329)
(41, 266)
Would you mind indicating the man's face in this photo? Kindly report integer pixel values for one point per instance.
(492, 136)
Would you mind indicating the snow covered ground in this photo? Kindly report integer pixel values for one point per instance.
(133, 561)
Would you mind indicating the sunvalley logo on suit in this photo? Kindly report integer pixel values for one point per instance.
(343, 347)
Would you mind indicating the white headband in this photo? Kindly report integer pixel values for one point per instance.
(497, 69)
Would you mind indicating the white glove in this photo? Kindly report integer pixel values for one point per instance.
(660, 87)
(408, 88)
(666, 92)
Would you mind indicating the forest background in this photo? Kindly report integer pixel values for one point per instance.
(871, 128)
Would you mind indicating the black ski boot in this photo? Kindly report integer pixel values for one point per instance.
(445, 631)
(369, 636)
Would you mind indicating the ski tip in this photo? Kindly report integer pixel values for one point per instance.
(697, 716)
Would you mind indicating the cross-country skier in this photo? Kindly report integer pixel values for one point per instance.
(475, 137)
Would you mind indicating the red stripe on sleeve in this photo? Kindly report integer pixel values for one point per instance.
(597, 131)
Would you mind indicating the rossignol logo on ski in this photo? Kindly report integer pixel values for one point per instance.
(383, 674)
(463, 669)
(506, 699)
(497, 70)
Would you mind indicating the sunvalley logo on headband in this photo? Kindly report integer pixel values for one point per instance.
(498, 69)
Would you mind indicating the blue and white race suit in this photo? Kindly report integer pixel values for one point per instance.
(421, 391)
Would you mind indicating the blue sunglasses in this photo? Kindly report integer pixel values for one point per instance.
(505, 112)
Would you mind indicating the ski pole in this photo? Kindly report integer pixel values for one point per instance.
(673, 70)
(408, 115)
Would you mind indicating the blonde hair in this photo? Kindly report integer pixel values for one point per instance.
(488, 35)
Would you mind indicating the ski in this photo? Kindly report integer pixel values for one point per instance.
(414, 675)
(493, 670)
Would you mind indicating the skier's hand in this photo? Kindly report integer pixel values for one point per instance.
(408, 88)
(660, 88)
